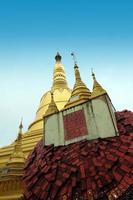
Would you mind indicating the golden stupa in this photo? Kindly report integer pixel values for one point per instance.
(61, 94)
(13, 156)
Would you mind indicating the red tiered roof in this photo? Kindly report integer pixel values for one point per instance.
(98, 169)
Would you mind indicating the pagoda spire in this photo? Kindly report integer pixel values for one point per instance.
(52, 108)
(17, 156)
(80, 88)
(59, 76)
(21, 126)
(97, 88)
(80, 92)
(78, 80)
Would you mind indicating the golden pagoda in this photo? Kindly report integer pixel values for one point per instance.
(11, 174)
(59, 97)
(61, 94)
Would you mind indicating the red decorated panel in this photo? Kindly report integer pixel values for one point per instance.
(75, 125)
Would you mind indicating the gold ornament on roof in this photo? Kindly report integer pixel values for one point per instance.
(17, 156)
(80, 92)
(80, 88)
(52, 107)
(97, 88)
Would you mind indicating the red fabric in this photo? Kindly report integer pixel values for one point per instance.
(87, 169)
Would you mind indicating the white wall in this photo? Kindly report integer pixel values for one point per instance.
(103, 117)
(100, 121)
(53, 131)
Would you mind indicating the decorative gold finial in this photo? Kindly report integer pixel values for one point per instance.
(21, 126)
(17, 156)
(59, 77)
(93, 75)
(74, 58)
(52, 108)
(58, 57)
(80, 88)
(97, 88)
(77, 75)
(80, 92)
(76, 69)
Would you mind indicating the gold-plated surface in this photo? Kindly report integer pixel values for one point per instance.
(29, 140)
(80, 92)
(97, 88)
(11, 189)
(12, 157)
(59, 77)
(12, 197)
(61, 94)
(17, 157)
(52, 108)
(60, 91)
(11, 173)
(61, 97)
(79, 87)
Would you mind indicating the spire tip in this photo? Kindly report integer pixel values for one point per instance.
(58, 57)
(74, 59)
(21, 126)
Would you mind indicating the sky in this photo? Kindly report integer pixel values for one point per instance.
(32, 31)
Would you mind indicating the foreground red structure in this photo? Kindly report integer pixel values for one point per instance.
(97, 169)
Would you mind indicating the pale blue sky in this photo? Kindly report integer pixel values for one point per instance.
(32, 31)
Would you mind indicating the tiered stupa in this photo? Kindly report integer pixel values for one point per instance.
(11, 173)
(61, 93)
(84, 149)
(83, 155)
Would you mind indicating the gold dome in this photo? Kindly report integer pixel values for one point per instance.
(60, 91)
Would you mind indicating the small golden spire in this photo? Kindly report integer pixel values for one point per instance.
(21, 126)
(97, 88)
(80, 88)
(80, 92)
(52, 108)
(59, 77)
(17, 156)
(77, 74)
